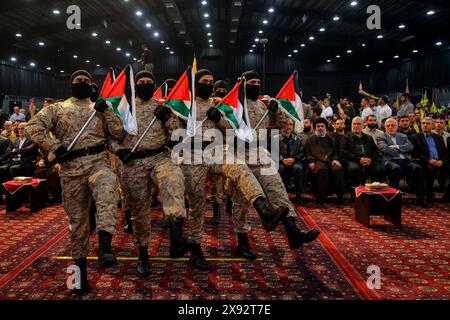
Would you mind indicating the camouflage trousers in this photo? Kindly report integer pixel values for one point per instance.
(274, 191)
(195, 177)
(100, 184)
(137, 177)
(216, 189)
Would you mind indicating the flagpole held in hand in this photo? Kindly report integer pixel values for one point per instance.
(196, 127)
(143, 135)
(82, 130)
(261, 120)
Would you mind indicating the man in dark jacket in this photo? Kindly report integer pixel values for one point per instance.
(323, 161)
(292, 154)
(361, 156)
(431, 154)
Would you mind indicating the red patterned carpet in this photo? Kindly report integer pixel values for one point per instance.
(414, 261)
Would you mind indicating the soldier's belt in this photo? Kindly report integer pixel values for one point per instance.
(142, 154)
(86, 151)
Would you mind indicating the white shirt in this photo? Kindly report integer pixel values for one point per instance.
(383, 112)
(22, 141)
(327, 112)
(366, 112)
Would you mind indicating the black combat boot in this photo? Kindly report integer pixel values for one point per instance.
(178, 243)
(197, 259)
(143, 263)
(243, 248)
(105, 257)
(83, 287)
(295, 236)
(92, 213)
(269, 218)
(229, 206)
(216, 216)
(165, 222)
(128, 227)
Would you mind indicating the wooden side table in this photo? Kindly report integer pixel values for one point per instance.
(36, 196)
(375, 203)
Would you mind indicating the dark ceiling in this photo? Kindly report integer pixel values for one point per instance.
(234, 25)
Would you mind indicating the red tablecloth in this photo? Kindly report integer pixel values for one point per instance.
(13, 186)
(387, 194)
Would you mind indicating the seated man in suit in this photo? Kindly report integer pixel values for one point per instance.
(21, 157)
(395, 149)
(361, 156)
(323, 161)
(430, 152)
(292, 154)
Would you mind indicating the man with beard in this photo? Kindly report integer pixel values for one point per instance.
(307, 130)
(371, 128)
(85, 170)
(238, 174)
(151, 162)
(324, 163)
(339, 136)
(404, 126)
(272, 184)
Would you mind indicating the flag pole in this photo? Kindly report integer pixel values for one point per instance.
(143, 135)
(82, 130)
(261, 120)
(198, 126)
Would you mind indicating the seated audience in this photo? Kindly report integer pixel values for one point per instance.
(405, 126)
(323, 161)
(395, 149)
(414, 120)
(339, 136)
(431, 154)
(17, 115)
(307, 130)
(50, 172)
(440, 129)
(361, 156)
(8, 131)
(371, 128)
(292, 154)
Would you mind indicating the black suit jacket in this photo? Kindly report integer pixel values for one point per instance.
(352, 151)
(421, 150)
(28, 154)
(292, 147)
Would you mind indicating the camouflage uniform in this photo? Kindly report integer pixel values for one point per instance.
(216, 189)
(272, 185)
(196, 175)
(138, 175)
(85, 176)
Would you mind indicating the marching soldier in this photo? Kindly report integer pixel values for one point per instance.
(85, 170)
(272, 184)
(151, 162)
(196, 175)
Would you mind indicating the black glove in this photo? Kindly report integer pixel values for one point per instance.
(163, 113)
(214, 115)
(273, 106)
(125, 155)
(101, 105)
(61, 154)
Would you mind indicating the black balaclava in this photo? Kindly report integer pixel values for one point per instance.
(145, 90)
(94, 93)
(203, 90)
(252, 91)
(220, 84)
(81, 90)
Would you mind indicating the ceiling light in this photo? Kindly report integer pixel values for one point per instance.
(363, 45)
(156, 34)
(381, 61)
(311, 38)
(61, 71)
(289, 55)
(32, 64)
(107, 42)
(75, 57)
(265, 22)
(338, 56)
(148, 24)
(18, 35)
(295, 51)
(336, 18)
(41, 44)
(251, 50)
(204, 2)
(256, 39)
(167, 48)
(13, 59)
(402, 26)
(48, 68)
(134, 59)
(210, 45)
(207, 25)
(322, 29)
(127, 54)
(353, 3)
(209, 34)
(415, 51)
(302, 45)
(328, 60)
(118, 49)
(97, 65)
(349, 51)
(430, 12)
(206, 15)
(253, 45)
(260, 31)
(171, 52)
(271, 10)
(162, 41)
(94, 34)
(209, 40)
(56, 11)
(367, 65)
(439, 43)
(396, 57)
(88, 61)
(380, 36)
(139, 13)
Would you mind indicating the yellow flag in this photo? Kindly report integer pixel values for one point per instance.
(424, 101)
(194, 65)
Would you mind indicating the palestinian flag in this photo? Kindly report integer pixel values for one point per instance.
(122, 98)
(109, 80)
(161, 92)
(182, 100)
(289, 100)
(234, 108)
